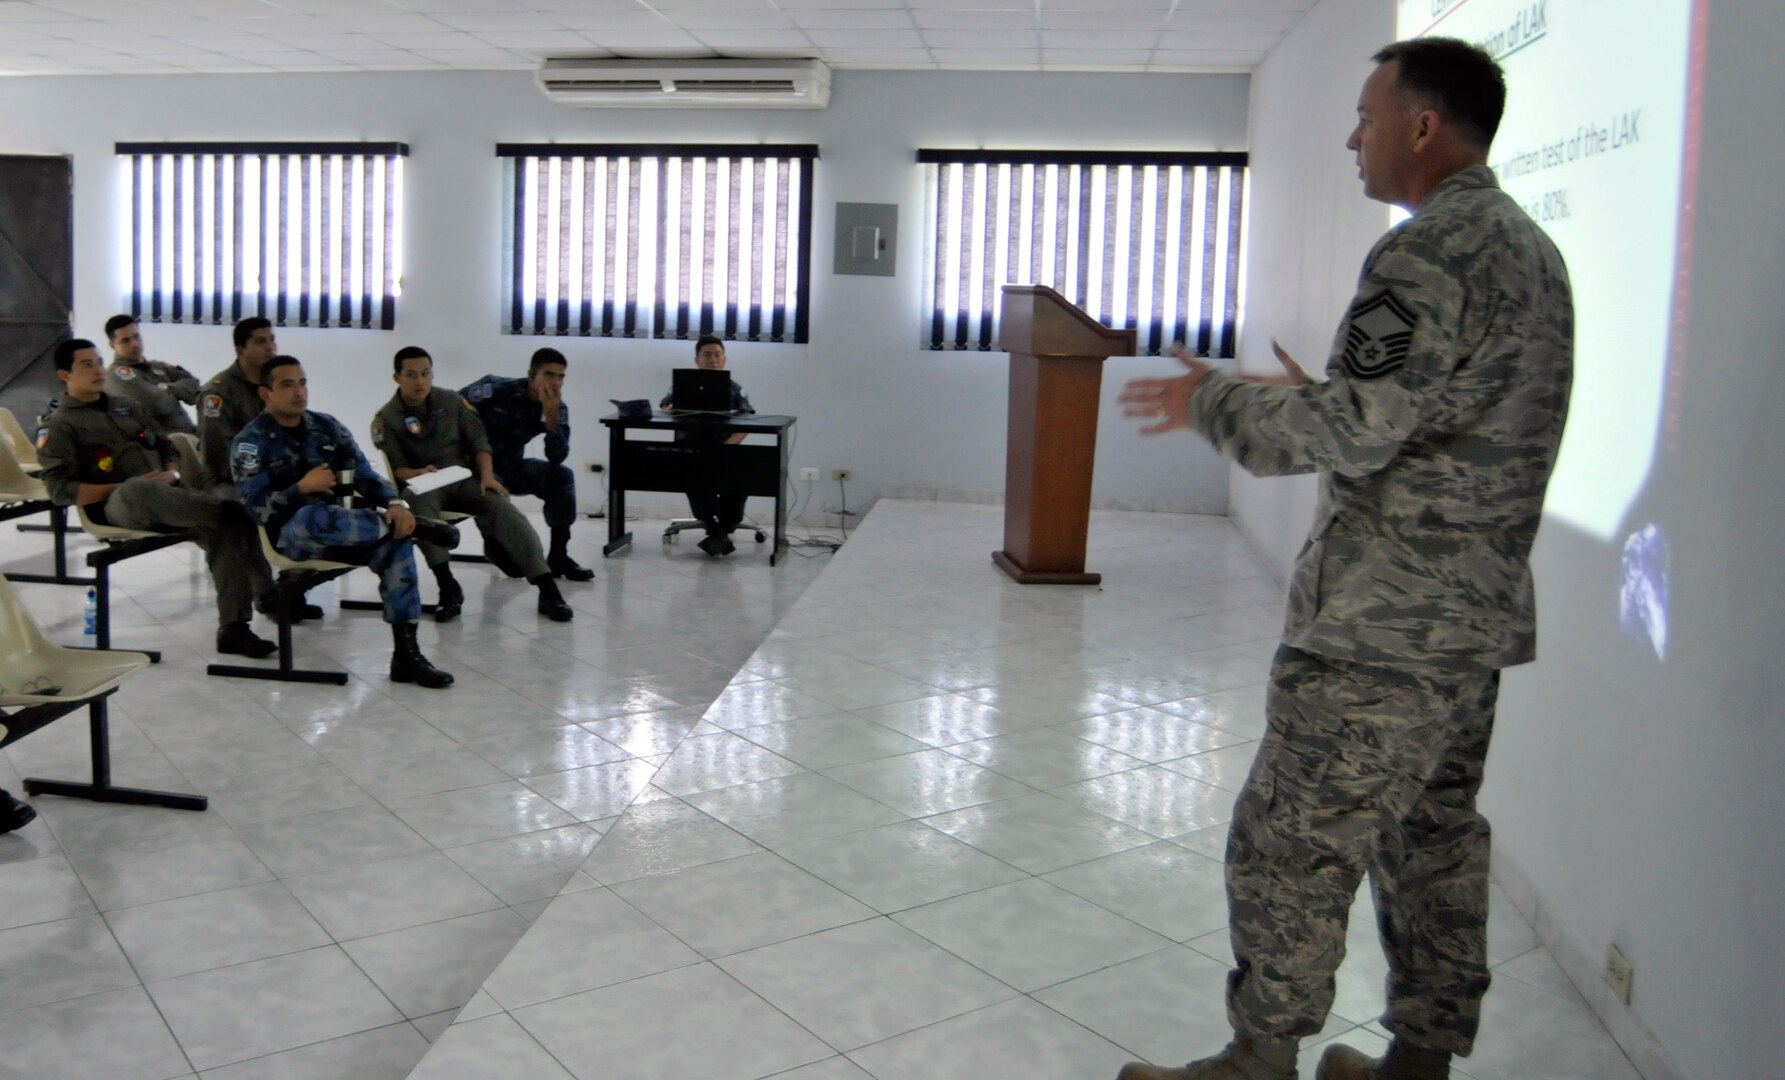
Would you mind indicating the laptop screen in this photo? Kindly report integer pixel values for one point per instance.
(700, 390)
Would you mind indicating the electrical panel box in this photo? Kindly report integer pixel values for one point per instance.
(867, 239)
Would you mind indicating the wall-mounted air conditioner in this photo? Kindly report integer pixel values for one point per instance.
(687, 84)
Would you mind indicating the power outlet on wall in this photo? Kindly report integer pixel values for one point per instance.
(808, 473)
(843, 475)
(1619, 975)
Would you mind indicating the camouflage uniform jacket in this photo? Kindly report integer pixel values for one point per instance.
(159, 388)
(225, 406)
(1436, 432)
(268, 459)
(104, 441)
(512, 422)
(445, 430)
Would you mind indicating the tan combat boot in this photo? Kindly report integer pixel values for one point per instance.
(1242, 1060)
(1400, 1063)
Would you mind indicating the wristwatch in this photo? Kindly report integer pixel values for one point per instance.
(396, 502)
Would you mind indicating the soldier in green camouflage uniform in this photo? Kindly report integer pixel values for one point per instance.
(1435, 433)
(107, 455)
(162, 389)
(231, 398)
(423, 428)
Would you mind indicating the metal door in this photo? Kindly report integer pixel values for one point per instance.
(36, 277)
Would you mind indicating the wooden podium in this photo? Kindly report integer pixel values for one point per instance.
(1056, 365)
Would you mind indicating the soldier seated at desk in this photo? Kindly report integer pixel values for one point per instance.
(720, 512)
(286, 463)
(162, 389)
(425, 428)
(514, 412)
(106, 455)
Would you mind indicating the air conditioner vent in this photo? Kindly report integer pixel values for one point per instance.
(691, 84)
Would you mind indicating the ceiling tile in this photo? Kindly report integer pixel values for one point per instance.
(77, 30)
(1271, 22)
(880, 57)
(97, 9)
(865, 39)
(988, 57)
(432, 6)
(1095, 58)
(964, 39)
(29, 13)
(826, 19)
(975, 20)
(534, 39)
(696, 20)
(635, 19)
(476, 58)
(757, 39)
(497, 20)
(1224, 61)
(1099, 39)
(1103, 20)
(621, 41)
(384, 59)
(1178, 39)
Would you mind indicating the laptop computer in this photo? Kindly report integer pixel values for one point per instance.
(700, 390)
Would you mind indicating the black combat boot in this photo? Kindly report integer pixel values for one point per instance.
(267, 603)
(14, 814)
(1402, 1062)
(560, 562)
(434, 531)
(452, 597)
(238, 639)
(408, 665)
(551, 601)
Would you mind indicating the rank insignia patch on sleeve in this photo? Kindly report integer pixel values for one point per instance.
(1377, 337)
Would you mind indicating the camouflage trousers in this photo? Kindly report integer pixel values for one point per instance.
(358, 536)
(1363, 770)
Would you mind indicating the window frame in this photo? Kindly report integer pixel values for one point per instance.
(253, 286)
(965, 320)
(634, 312)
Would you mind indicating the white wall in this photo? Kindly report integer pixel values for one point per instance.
(1309, 228)
(868, 398)
(1635, 801)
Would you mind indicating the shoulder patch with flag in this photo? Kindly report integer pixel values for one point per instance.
(1378, 333)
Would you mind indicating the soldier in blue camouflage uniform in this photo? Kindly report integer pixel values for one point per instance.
(285, 464)
(1435, 434)
(514, 413)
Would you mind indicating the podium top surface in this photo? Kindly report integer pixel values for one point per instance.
(1037, 321)
(703, 422)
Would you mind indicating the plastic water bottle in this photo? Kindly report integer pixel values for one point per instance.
(92, 631)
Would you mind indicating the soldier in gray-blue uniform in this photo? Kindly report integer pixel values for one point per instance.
(720, 512)
(424, 428)
(285, 464)
(514, 413)
(162, 389)
(108, 456)
(1435, 434)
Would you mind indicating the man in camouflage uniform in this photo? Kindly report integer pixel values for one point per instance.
(424, 428)
(285, 464)
(1435, 434)
(514, 413)
(227, 402)
(162, 389)
(106, 455)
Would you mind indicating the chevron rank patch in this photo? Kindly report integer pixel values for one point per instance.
(1377, 337)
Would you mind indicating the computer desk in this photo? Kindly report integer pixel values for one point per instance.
(708, 465)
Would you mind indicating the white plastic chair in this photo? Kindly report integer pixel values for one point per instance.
(20, 443)
(23, 494)
(294, 576)
(43, 682)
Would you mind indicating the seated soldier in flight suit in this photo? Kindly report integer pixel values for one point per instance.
(105, 454)
(162, 389)
(285, 464)
(720, 512)
(514, 412)
(424, 428)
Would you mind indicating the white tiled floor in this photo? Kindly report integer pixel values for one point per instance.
(933, 825)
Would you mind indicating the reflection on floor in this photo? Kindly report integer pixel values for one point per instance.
(932, 825)
(940, 827)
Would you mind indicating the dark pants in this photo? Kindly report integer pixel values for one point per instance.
(1363, 771)
(719, 513)
(556, 484)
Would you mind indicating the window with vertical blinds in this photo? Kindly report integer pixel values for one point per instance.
(304, 234)
(662, 241)
(1145, 241)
